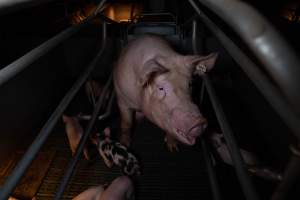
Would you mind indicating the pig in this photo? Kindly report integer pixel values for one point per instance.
(151, 78)
(73, 128)
(253, 164)
(120, 189)
(74, 132)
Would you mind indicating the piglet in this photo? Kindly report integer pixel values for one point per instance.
(114, 153)
(253, 164)
(74, 132)
(120, 189)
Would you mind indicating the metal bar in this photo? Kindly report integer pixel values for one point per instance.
(290, 177)
(240, 168)
(108, 20)
(30, 154)
(269, 91)
(210, 169)
(211, 172)
(7, 6)
(194, 37)
(20, 64)
(271, 49)
(99, 7)
(83, 140)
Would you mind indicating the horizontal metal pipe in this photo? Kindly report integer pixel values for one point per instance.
(280, 61)
(7, 6)
(269, 91)
(83, 140)
(34, 148)
(240, 168)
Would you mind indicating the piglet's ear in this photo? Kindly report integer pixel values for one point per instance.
(150, 70)
(201, 64)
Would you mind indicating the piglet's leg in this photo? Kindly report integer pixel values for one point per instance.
(172, 143)
(127, 115)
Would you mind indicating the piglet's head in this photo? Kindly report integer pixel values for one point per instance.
(165, 97)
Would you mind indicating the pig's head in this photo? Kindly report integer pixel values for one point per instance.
(166, 99)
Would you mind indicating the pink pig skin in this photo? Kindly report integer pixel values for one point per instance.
(74, 132)
(120, 189)
(151, 78)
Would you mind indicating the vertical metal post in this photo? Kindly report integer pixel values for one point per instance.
(211, 172)
(240, 168)
(241, 171)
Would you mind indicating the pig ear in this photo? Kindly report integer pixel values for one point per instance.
(201, 64)
(150, 71)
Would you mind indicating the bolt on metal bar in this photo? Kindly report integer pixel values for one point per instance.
(280, 61)
(83, 140)
(240, 168)
(34, 148)
(269, 91)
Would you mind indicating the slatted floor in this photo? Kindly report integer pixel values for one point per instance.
(165, 175)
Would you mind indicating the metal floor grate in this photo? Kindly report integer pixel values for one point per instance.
(165, 175)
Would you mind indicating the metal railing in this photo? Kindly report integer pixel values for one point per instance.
(279, 61)
(68, 173)
(23, 62)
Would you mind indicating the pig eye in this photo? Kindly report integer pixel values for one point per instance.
(161, 92)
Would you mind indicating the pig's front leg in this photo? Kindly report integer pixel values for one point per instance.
(172, 143)
(127, 115)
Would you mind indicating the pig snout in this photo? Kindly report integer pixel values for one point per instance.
(187, 125)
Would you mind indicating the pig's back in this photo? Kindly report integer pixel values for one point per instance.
(131, 61)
